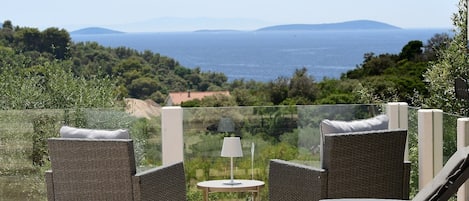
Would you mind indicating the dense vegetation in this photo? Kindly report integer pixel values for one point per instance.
(27, 54)
(54, 72)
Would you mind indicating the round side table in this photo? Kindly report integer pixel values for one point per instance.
(210, 186)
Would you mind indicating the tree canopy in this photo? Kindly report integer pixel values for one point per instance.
(452, 62)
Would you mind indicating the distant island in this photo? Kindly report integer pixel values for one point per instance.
(95, 30)
(217, 30)
(349, 25)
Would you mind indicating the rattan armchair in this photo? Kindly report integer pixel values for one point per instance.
(367, 164)
(444, 185)
(104, 169)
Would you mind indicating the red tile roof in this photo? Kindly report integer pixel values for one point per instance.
(176, 98)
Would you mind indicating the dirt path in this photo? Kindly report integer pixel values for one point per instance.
(142, 108)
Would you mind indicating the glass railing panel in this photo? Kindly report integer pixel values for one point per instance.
(23, 146)
(19, 178)
(449, 135)
(278, 132)
(449, 143)
(412, 136)
(205, 128)
(309, 118)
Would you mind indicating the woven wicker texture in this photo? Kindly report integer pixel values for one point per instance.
(445, 184)
(166, 183)
(84, 169)
(294, 182)
(366, 164)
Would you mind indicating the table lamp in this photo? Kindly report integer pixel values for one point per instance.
(231, 148)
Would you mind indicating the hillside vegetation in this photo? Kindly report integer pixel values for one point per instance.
(52, 71)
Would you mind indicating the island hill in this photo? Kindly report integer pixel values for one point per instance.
(349, 25)
(95, 30)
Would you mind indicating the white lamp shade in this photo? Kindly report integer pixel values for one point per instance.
(231, 147)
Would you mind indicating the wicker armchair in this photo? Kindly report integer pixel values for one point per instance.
(104, 169)
(445, 184)
(367, 164)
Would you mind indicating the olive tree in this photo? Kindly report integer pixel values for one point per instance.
(452, 62)
(49, 85)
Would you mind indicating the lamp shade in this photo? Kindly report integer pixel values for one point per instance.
(231, 147)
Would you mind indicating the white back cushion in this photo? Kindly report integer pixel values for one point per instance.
(71, 132)
(379, 122)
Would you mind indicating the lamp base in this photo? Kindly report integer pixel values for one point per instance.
(231, 183)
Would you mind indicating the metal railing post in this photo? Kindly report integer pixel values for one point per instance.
(172, 135)
(430, 142)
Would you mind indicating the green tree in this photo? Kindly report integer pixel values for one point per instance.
(27, 39)
(364, 69)
(6, 33)
(438, 42)
(451, 63)
(279, 89)
(129, 64)
(218, 100)
(302, 86)
(333, 91)
(243, 97)
(191, 103)
(91, 59)
(56, 42)
(411, 51)
(49, 85)
(7, 25)
(217, 79)
(143, 87)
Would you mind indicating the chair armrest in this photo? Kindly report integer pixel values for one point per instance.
(291, 181)
(406, 182)
(50, 185)
(161, 183)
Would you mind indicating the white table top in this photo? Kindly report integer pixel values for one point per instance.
(220, 183)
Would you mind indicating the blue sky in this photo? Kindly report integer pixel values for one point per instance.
(189, 15)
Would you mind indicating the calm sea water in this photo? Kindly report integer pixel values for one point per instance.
(264, 56)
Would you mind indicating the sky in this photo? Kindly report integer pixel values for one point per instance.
(190, 15)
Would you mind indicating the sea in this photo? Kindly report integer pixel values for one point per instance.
(267, 55)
